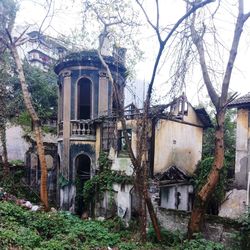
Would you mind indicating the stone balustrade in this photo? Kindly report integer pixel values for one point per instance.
(82, 127)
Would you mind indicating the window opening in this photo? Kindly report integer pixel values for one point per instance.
(122, 145)
(84, 99)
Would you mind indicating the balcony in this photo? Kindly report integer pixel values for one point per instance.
(79, 130)
(82, 128)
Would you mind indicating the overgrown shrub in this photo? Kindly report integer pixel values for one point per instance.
(201, 174)
(244, 235)
(168, 238)
(201, 244)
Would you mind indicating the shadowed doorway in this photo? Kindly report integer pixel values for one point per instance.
(82, 175)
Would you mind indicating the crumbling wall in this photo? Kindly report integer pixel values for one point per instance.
(216, 228)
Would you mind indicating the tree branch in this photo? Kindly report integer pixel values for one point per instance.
(163, 43)
(233, 52)
(197, 40)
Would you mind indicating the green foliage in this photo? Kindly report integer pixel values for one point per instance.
(43, 89)
(201, 244)
(16, 163)
(24, 119)
(22, 229)
(229, 140)
(244, 235)
(201, 174)
(104, 180)
(62, 181)
(13, 183)
(169, 238)
(47, 129)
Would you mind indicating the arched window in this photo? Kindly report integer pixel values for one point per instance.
(84, 99)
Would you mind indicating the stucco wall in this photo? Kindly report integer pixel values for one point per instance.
(177, 144)
(242, 162)
(191, 116)
(17, 146)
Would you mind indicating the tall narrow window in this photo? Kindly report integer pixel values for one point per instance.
(84, 99)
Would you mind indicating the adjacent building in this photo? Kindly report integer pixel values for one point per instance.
(42, 51)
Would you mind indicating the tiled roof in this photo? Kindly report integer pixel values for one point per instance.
(243, 101)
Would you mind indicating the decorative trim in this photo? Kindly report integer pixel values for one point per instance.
(103, 74)
(66, 73)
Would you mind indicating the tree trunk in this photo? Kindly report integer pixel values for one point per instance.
(152, 215)
(36, 127)
(203, 196)
(6, 168)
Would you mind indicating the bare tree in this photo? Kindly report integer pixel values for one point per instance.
(220, 102)
(139, 161)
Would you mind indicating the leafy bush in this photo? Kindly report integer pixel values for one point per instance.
(201, 244)
(13, 182)
(22, 229)
(244, 235)
(168, 238)
(201, 174)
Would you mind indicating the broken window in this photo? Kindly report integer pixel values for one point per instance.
(178, 197)
(122, 145)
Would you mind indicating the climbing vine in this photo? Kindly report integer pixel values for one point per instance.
(104, 180)
(201, 174)
(62, 181)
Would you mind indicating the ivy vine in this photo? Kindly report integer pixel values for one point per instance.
(104, 180)
(62, 181)
(201, 174)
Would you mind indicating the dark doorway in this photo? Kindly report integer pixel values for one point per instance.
(84, 99)
(82, 175)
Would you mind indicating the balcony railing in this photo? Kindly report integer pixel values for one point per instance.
(82, 128)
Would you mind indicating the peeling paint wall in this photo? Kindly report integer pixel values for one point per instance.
(242, 161)
(192, 117)
(17, 146)
(177, 144)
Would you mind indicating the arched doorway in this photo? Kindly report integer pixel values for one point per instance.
(82, 164)
(84, 99)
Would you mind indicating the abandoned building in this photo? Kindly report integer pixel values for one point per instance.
(87, 127)
(238, 198)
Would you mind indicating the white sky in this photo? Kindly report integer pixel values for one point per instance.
(67, 17)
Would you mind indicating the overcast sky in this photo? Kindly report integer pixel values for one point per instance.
(67, 17)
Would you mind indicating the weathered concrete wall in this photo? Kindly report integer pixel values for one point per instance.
(192, 117)
(123, 200)
(242, 161)
(177, 144)
(122, 164)
(17, 146)
(216, 228)
(234, 205)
